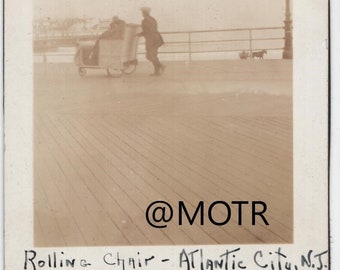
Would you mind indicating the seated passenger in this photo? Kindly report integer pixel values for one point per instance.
(115, 31)
(118, 27)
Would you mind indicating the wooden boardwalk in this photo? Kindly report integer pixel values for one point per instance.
(106, 148)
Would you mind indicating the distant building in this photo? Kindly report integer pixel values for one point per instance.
(47, 27)
(103, 25)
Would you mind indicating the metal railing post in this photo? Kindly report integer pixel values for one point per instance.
(189, 46)
(251, 43)
(288, 47)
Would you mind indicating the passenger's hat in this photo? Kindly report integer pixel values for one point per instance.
(145, 9)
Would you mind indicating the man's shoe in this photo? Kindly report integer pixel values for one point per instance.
(162, 68)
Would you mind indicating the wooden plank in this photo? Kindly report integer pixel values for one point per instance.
(59, 222)
(183, 177)
(105, 203)
(185, 139)
(199, 180)
(114, 182)
(104, 151)
(149, 175)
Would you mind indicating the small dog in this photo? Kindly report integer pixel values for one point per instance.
(259, 54)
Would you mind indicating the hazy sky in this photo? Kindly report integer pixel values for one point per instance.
(173, 14)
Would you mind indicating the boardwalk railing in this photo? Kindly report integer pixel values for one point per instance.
(226, 40)
(195, 42)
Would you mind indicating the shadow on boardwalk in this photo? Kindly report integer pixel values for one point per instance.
(105, 148)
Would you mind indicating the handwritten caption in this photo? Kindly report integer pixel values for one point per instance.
(186, 259)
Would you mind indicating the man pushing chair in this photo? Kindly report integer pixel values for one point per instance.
(153, 40)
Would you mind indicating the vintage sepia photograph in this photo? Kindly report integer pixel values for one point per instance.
(162, 122)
